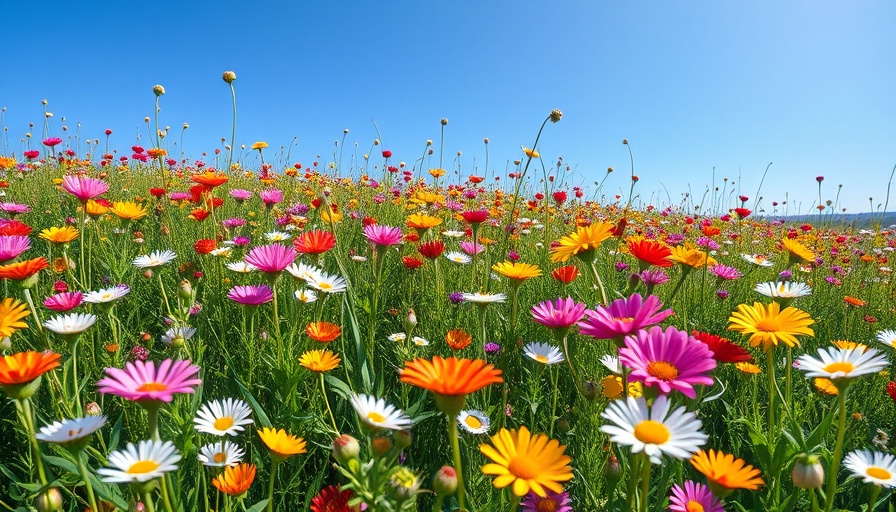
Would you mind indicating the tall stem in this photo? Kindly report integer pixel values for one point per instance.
(770, 358)
(91, 499)
(323, 391)
(232, 127)
(458, 467)
(645, 482)
(553, 419)
(28, 419)
(274, 464)
(572, 367)
(831, 487)
(600, 284)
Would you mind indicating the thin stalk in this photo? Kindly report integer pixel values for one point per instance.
(232, 127)
(458, 468)
(572, 367)
(553, 403)
(323, 391)
(147, 502)
(274, 464)
(645, 482)
(600, 285)
(514, 503)
(91, 499)
(631, 492)
(28, 419)
(831, 487)
(875, 493)
(770, 359)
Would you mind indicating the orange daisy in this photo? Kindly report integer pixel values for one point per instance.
(323, 332)
(451, 379)
(235, 480)
(22, 270)
(20, 373)
(209, 179)
(316, 241)
(725, 472)
(649, 252)
(458, 339)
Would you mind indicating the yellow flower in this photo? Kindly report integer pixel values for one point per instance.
(11, 314)
(845, 344)
(691, 257)
(437, 173)
(611, 387)
(748, 368)
(319, 360)
(517, 271)
(128, 210)
(61, 235)
(329, 215)
(797, 252)
(281, 444)
(527, 462)
(582, 243)
(259, 145)
(531, 153)
(422, 222)
(7, 162)
(95, 209)
(769, 325)
(825, 386)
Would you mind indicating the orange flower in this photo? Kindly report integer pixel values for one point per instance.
(853, 301)
(458, 339)
(451, 376)
(209, 179)
(17, 371)
(649, 252)
(22, 270)
(324, 332)
(316, 241)
(235, 480)
(565, 274)
(156, 152)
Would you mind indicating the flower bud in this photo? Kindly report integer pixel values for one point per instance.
(158, 90)
(612, 470)
(229, 76)
(404, 482)
(186, 290)
(49, 500)
(808, 473)
(381, 446)
(402, 438)
(410, 321)
(93, 409)
(345, 448)
(444, 483)
(556, 115)
(5, 343)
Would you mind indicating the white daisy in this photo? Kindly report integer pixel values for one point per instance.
(155, 259)
(454, 234)
(887, 337)
(224, 251)
(223, 417)
(474, 422)
(72, 323)
(220, 454)
(784, 289)
(611, 363)
(398, 336)
(420, 342)
(758, 259)
(305, 295)
(842, 364)
(143, 462)
(107, 294)
(656, 432)
(458, 257)
(544, 353)
(302, 271)
(277, 236)
(178, 335)
(241, 267)
(484, 298)
(377, 414)
(327, 283)
(872, 467)
(70, 431)
(359, 258)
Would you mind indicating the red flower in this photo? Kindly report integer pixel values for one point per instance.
(204, 246)
(331, 499)
(157, 192)
(387, 153)
(723, 350)
(743, 212)
(805, 228)
(432, 250)
(14, 227)
(198, 214)
(367, 221)
(565, 274)
(476, 179)
(314, 242)
(32, 154)
(560, 196)
(891, 390)
(196, 192)
(619, 230)
(316, 202)
(475, 216)
(411, 262)
(711, 230)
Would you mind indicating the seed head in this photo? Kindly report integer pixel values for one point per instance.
(556, 115)
(229, 76)
(158, 90)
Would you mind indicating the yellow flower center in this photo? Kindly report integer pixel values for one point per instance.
(879, 473)
(651, 432)
(324, 286)
(546, 505)
(523, 467)
(219, 458)
(473, 422)
(223, 423)
(844, 367)
(375, 417)
(768, 325)
(662, 370)
(152, 386)
(541, 358)
(693, 506)
(142, 467)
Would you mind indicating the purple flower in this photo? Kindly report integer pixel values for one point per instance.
(623, 317)
(83, 187)
(15, 208)
(271, 196)
(492, 348)
(379, 198)
(139, 353)
(560, 314)
(621, 266)
(685, 498)
(382, 236)
(674, 238)
(64, 301)
(234, 222)
(240, 195)
(272, 258)
(724, 272)
(241, 241)
(555, 502)
(785, 275)
(456, 297)
(722, 294)
(298, 209)
(513, 255)
(179, 196)
(654, 277)
(251, 295)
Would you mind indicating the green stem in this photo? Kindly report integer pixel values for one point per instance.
(875, 493)
(147, 502)
(91, 499)
(633, 470)
(274, 464)
(232, 127)
(323, 391)
(553, 403)
(437, 507)
(28, 419)
(514, 503)
(455, 448)
(770, 359)
(572, 367)
(152, 418)
(600, 285)
(165, 498)
(645, 482)
(831, 487)
(164, 296)
(75, 379)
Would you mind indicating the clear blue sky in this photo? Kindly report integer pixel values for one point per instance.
(693, 85)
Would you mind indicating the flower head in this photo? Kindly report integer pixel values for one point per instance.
(272, 258)
(378, 415)
(382, 236)
(223, 417)
(552, 501)
(841, 365)
(251, 295)
(281, 444)
(543, 353)
(693, 496)
(25, 367)
(70, 324)
(221, 454)
(84, 188)
(872, 467)
(769, 325)
(526, 462)
(70, 432)
(668, 360)
(11, 314)
(726, 473)
(451, 376)
(516, 271)
(474, 422)
(323, 332)
(582, 243)
(61, 235)
(314, 242)
(156, 259)
(142, 462)
(11, 246)
(623, 317)
(319, 361)
(107, 295)
(657, 432)
(235, 480)
(128, 210)
(144, 381)
(560, 314)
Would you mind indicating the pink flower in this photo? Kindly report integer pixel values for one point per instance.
(251, 295)
(272, 258)
(471, 248)
(142, 381)
(724, 272)
(623, 317)
(669, 359)
(52, 141)
(382, 236)
(64, 301)
(560, 314)
(685, 498)
(15, 208)
(271, 196)
(84, 188)
(31, 154)
(179, 196)
(11, 246)
(240, 195)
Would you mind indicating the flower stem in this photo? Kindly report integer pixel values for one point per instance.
(875, 493)
(323, 391)
(28, 419)
(91, 499)
(147, 502)
(633, 469)
(274, 464)
(553, 419)
(232, 127)
(831, 487)
(572, 367)
(455, 448)
(600, 285)
(514, 504)
(770, 358)
(645, 482)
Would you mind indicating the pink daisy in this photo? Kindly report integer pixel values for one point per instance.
(84, 188)
(560, 314)
(251, 295)
(471, 248)
(64, 301)
(693, 496)
(382, 236)
(272, 258)
(623, 317)
(179, 196)
(271, 196)
(553, 501)
(143, 381)
(11, 246)
(669, 359)
(15, 208)
(240, 195)
(724, 272)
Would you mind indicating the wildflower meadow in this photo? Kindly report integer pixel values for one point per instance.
(242, 332)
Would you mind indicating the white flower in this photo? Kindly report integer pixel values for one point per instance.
(656, 432)
(758, 259)
(277, 236)
(474, 422)
(327, 283)
(484, 298)
(143, 462)
(887, 337)
(454, 234)
(177, 335)
(305, 295)
(611, 363)
(302, 271)
(785, 290)
(157, 258)
(836, 364)
(72, 323)
(69, 431)
(359, 258)
(220, 454)
(458, 257)
(398, 336)
(872, 467)
(241, 267)
(420, 342)
(377, 414)
(223, 417)
(107, 294)
(543, 353)
(224, 251)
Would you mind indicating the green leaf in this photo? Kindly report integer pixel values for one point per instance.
(339, 386)
(258, 507)
(262, 417)
(62, 463)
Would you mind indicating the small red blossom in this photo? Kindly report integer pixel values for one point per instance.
(411, 262)
(204, 246)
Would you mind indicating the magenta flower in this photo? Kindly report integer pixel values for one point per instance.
(669, 359)
(693, 496)
(271, 259)
(251, 295)
(623, 317)
(382, 236)
(143, 381)
(52, 141)
(471, 248)
(84, 188)
(15, 208)
(560, 314)
(179, 196)
(724, 272)
(271, 196)
(11, 246)
(64, 301)
(555, 502)
(240, 195)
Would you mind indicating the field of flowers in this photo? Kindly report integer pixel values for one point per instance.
(181, 335)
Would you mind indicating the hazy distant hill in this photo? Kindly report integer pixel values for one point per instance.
(856, 220)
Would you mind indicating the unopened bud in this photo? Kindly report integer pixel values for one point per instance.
(402, 438)
(186, 290)
(381, 446)
(808, 473)
(612, 470)
(93, 409)
(49, 500)
(229, 76)
(5, 343)
(444, 483)
(158, 90)
(410, 321)
(346, 448)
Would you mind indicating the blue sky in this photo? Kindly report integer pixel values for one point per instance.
(807, 85)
